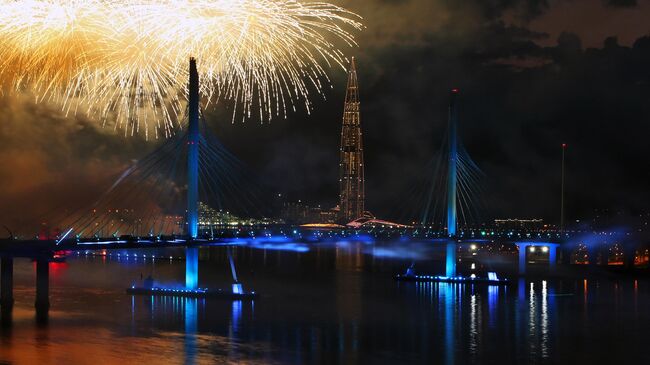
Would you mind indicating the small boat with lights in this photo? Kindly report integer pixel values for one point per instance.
(148, 288)
(236, 294)
(492, 279)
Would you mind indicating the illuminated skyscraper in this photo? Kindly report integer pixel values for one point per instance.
(351, 167)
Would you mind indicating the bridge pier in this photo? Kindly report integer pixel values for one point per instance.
(522, 258)
(552, 257)
(7, 282)
(565, 254)
(629, 253)
(6, 290)
(450, 259)
(592, 254)
(42, 289)
(192, 267)
(524, 247)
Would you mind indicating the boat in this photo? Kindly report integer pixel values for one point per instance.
(192, 293)
(490, 280)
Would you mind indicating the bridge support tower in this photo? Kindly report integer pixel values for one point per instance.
(524, 248)
(192, 267)
(450, 259)
(193, 138)
(452, 185)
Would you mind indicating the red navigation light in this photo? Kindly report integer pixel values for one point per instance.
(563, 145)
(455, 91)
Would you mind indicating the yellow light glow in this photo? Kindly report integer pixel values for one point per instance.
(126, 61)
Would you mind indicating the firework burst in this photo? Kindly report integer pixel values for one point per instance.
(126, 61)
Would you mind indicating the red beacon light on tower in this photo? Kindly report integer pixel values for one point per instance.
(455, 91)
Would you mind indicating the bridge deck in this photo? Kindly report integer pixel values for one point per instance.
(284, 234)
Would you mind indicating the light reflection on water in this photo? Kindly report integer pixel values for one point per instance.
(474, 324)
(331, 305)
(190, 309)
(447, 294)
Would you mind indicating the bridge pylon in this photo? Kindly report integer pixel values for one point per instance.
(452, 185)
(193, 138)
(452, 172)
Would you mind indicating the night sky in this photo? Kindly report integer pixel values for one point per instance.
(532, 75)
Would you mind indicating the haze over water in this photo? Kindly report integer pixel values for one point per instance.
(333, 304)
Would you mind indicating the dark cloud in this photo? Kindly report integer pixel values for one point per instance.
(53, 161)
(493, 9)
(622, 3)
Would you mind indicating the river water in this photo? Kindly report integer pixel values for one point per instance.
(333, 304)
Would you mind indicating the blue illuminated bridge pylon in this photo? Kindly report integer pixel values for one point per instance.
(453, 188)
(452, 168)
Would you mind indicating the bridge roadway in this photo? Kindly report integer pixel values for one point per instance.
(46, 248)
(43, 251)
(33, 248)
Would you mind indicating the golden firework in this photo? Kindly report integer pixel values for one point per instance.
(125, 61)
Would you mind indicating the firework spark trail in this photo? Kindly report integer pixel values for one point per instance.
(125, 61)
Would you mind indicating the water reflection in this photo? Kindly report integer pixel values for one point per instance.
(532, 333)
(544, 321)
(474, 324)
(541, 303)
(236, 318)
(330, 305)
(493, 297)
(447, 296)
(532, 322)
(191, 324)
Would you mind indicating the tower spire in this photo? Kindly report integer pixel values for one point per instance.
(351, 178)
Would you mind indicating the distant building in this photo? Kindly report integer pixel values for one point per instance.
(300, 213)
(351, 178)
(519, 224)
(212, 218)
(209, 216)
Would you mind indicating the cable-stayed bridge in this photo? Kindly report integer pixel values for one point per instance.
(155, 204)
